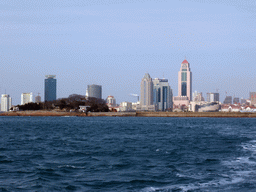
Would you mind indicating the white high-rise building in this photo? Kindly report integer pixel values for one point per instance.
(6, 102)
(26, 98)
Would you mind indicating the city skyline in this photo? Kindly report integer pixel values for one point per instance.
(114, 44)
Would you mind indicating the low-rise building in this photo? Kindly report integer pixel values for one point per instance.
(111, 101)
(228, 100)
(125, 106)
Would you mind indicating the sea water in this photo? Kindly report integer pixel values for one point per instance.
(127, 154)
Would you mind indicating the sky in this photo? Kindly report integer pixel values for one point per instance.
(113, 43)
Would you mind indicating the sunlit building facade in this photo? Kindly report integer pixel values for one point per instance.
(146, 91)
(6, 102)
(26, 98)
(184, 86)
(111, 101)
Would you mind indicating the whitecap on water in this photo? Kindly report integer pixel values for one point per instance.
(214, 185)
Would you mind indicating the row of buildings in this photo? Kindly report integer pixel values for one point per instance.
(155, 95)
(50, 93)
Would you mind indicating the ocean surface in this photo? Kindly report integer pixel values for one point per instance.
(127, 154)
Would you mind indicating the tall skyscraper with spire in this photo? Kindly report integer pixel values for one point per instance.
(184, 86)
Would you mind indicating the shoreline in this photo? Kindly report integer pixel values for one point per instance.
(131, 114)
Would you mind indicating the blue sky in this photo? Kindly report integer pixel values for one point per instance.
(115, 42)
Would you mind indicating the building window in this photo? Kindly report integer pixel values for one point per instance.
(183, 89)
(184, 76)
(164, 94)
(159, 95)
(145, 88)
(154, 95)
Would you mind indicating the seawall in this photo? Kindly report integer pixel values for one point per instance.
(132, 114)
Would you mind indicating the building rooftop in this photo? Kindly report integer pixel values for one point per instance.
(50, 76)
(146, 76)
(185, 61)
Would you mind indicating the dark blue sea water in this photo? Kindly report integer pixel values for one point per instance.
(127, 154)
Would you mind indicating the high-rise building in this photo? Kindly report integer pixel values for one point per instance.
(228, 100)
(253, 98)
(26, 98)
(6, 102)
(111, 101)
(94, 91)
(185, 80)
(212, 97)
(236, 100)
(50, 88)
(146, 92)
(184, 86)
(162, 94)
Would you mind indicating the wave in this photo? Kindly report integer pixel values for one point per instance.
(215, 185)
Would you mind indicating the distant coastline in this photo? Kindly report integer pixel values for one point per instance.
(132, 114)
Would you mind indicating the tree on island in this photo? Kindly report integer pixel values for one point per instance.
(75, 100)
(72, 102)
(30, 106)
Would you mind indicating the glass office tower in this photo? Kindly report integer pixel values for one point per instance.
(50, 85)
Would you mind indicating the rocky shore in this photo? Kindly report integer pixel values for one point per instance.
(131, 114)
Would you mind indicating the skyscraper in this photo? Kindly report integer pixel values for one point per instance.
(184, 86)
(94, 91)
(26, 98)
(162, 94)
(146, 92)
(6, 102)
(50, 85)
(185, 80)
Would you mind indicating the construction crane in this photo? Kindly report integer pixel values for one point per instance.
(135, 95)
